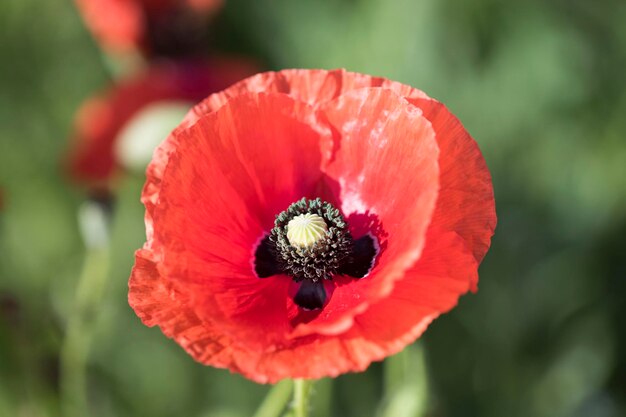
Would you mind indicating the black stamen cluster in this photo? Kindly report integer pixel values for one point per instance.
(322, 259)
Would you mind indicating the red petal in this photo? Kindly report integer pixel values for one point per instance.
(311, 86)
(466, 202)
(116, 24)
(430, 288)
(161, 302)
(445, 270)
(386, 148)
(238, 167)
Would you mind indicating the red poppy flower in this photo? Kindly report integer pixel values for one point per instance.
(102, 120)
(316, 291)
(123, 26)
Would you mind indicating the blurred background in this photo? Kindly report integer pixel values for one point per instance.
(539, 84)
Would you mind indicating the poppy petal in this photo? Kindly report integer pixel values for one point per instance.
(209, 216)
(314, 87)
(466, 202)
(386, 148)
(445, 270)
(161, 302)
(430, 288)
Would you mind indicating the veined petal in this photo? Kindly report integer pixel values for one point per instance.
(386, 147)
(219, 194)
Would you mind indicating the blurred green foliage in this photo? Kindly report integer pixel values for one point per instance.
(539, 84)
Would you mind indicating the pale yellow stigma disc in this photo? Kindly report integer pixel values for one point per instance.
(305, 230)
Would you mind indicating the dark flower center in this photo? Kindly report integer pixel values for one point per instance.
(311, 242)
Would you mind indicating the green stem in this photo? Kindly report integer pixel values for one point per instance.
(321, 397)
(81, 323)
(301, 391)
(406, 384)
(395, 371)
(276, 400)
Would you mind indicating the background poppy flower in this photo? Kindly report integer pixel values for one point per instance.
(94, 155)
(397, 164)
(154, 27)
